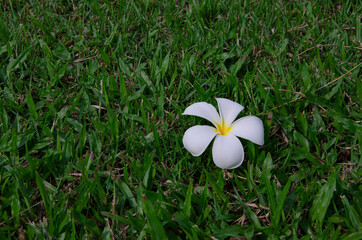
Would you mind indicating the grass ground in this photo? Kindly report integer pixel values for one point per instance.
(91, 97)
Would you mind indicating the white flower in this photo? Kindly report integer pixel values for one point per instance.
(227, 151)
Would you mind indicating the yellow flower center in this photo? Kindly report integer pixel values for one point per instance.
(223, 129)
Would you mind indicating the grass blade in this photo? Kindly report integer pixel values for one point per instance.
(281, 201)
(187, 206)
(157, 230)
(43, 193)
(31, 105)
(323, 199)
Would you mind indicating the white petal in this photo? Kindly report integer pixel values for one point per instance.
(197, 138)
(204, 110)
(227, 152)
(228, 109)
(250, 128)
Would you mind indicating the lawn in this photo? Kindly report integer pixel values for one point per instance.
(91, 126)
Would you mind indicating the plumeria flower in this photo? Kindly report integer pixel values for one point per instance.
(227, 151)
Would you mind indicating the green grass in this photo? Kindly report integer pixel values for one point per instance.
(91, 97)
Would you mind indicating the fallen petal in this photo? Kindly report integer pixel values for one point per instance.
(197, 138)
(250, 128)
(227, 152)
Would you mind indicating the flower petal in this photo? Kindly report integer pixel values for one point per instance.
(197, 138)
(228, 109)
(250, 128)
(227, 152)
(204, 110)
